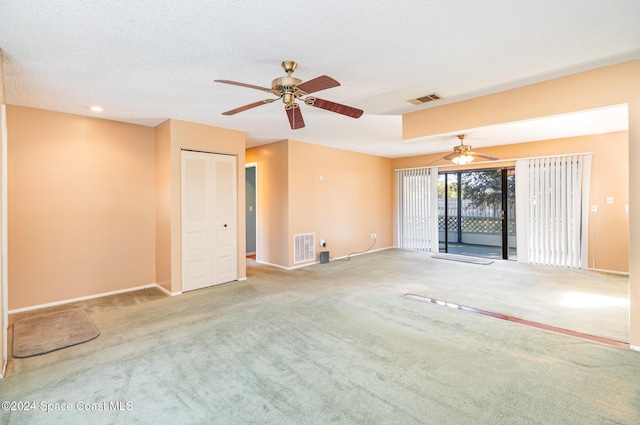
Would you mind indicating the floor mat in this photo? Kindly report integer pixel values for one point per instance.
(50, 332)
(463, 258)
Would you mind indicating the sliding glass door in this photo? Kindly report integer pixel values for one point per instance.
(476, 213)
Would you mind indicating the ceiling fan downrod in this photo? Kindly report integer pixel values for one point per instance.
(462, 148)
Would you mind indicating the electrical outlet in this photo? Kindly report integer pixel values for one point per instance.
(373, 236)
(323, 243)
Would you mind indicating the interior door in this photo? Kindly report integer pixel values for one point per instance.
(225, 258)
(209, 228)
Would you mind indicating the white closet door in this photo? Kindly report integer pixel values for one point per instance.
(226, 247)
(209, 230)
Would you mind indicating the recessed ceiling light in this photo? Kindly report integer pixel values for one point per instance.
(95, 108)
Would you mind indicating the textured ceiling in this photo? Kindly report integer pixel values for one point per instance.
(146, 61)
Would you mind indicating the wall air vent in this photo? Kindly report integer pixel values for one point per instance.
(424, 99)
(304, 247)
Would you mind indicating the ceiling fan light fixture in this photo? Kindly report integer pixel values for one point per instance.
(462, 159)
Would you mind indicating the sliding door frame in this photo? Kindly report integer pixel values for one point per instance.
(504, 174)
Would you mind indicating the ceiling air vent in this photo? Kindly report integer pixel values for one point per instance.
(424, 99)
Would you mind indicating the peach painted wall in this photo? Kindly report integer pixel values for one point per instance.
(352, 201)
(163, 205)
(609, 227)
(612, 85)
(273, 202)
(597, 88)
(204, 138)
(82, 206)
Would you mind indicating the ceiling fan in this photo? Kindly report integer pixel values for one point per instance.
(291, 89)
(463, 155)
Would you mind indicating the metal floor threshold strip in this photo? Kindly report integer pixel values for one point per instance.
(551, 328)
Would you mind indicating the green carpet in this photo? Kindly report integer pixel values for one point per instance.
(338, 343)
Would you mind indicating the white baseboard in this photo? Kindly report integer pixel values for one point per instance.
(4, 369)
(317, 262)
(241, 279)
(167, 292)
(273, 265)
(89, 297)
(609, 271)
(287, 268)
(634, 347)
(303, 265)
(362, 253)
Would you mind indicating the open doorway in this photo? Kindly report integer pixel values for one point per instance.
(251, 210)
(476, 213)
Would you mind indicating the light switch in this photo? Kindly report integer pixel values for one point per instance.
(594, 208)
(626, 208)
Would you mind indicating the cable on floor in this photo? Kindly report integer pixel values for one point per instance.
(348, 257)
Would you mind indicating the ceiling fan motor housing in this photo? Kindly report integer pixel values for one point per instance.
(462, 148)
(285, 88)
(285, 83)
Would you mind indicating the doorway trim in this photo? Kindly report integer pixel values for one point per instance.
(4, 244)
(257, 206)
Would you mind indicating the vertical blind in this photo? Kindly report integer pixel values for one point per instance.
(417, 209)
(552, 207)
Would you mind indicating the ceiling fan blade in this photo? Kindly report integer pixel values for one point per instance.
(249, 106)
(320, 83)
(295, 116)
(235, 83)
(334, 107)
(483, 156)
(451, 156)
